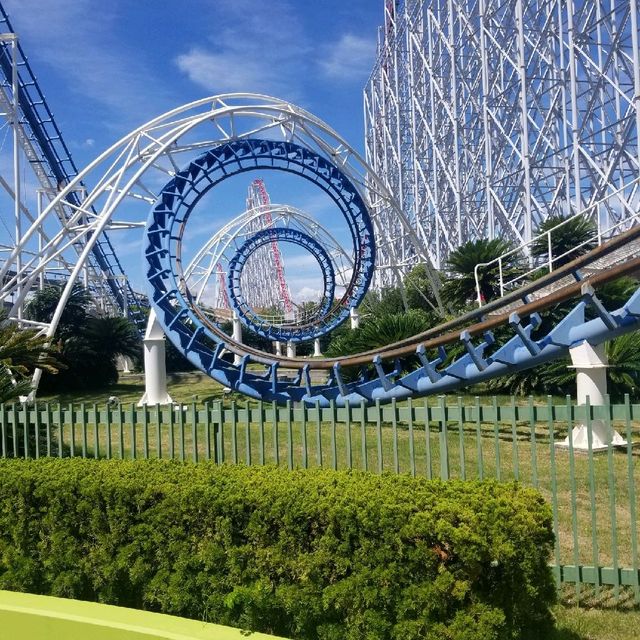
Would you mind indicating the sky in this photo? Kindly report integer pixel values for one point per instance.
(107, 67)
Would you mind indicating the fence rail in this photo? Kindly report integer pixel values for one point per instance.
(593, 496)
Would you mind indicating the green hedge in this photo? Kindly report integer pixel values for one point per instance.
(303, 554)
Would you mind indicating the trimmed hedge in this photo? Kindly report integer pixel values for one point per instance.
(304, 554)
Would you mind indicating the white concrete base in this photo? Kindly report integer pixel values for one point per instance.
(601, 435)
(316, 348)
(590, 363)
(278, 346)
(355, 318)
(237, 336)
(291, 349)
(155, 368)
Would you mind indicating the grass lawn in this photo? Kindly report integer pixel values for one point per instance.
(592, 493)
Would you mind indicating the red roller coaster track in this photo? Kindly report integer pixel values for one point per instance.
(258, 196)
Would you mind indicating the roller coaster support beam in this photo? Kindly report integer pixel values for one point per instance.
(316, 348)
(291, 349)
(590, 363)
(355, 318)
(155, 367)
(237, 335)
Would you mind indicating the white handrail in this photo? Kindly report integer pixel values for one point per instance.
(550, 259)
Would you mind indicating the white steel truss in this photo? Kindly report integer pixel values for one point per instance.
(485, 117)
(151, 155)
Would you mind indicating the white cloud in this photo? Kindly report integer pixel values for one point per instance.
(305, 294)
(259, 48)
(350, 58)
(79, 39)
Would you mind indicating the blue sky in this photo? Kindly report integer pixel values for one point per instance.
(106, 67)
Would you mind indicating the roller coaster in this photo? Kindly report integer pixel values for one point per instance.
(193, 149)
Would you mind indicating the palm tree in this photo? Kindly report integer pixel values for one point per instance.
(43, 304)
(21, 352)
(566, 239)
(459, 287)
(377, 332)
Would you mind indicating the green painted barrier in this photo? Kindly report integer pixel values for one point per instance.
(30, 617)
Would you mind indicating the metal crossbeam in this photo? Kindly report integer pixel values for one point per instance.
(487, 117)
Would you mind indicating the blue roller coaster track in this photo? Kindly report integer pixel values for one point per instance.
(55, 161)
(486, 343)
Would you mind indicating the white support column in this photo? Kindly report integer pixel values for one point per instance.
(316, 348)
(155, 368)
(590, 363)
(291, 349)
(355, 318)
(237, 336)
(278, 346)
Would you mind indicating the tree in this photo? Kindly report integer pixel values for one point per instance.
(88, 346)
(21, 352)
(42, 306)
(459, 288)
(418, 289)
(378, 332)
(575, 231)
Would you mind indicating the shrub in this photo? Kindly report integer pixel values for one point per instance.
(305, 554)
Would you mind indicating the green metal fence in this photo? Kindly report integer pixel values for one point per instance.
(593, 496)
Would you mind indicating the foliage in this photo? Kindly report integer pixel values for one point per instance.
(305, 554)
(42, 306)
(377, 332)
(576, 231)
(418, 289)
(387, 301)
(21, 352)
(88, 346)
(623, 372)
(459, 289)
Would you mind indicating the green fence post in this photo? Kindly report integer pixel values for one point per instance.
(363, 434)
(319, 433)
(194, 432)
(444, 440)
(534, 451)
(261, 431)
(379, 436)
(276, 439)
(394, 433)
(554, 490)
(37, 423)
(347, 430)
(25, 429)
(14, 428)
(612, 504)
(514, 439)
(592, 496)
(145, 431)
(3, 427)
(303, 433)
(427, 440)
(631, 486)
(120, 431)
(496, 438)
(248, 433)
(334, 449)
(412, 453)
(60, 431)
(574, 500)
(134, 438)
(207, 427)
(48, 429)
(463, 471)
(289, 436)
(479, 438)
(83, 424)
